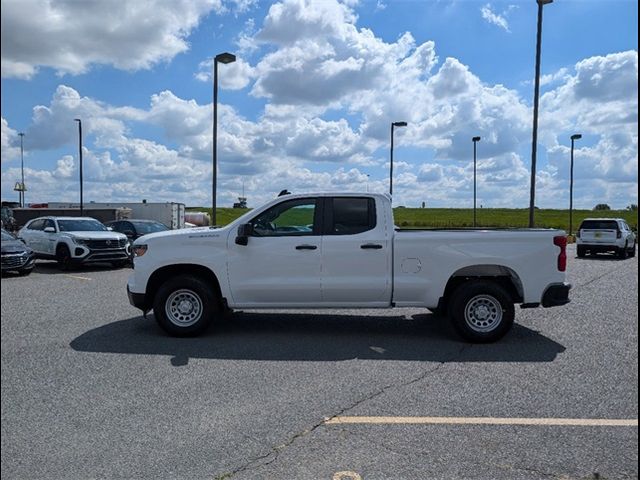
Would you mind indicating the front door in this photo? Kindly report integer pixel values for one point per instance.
(280, 265)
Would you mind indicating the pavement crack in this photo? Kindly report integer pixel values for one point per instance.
(275, 451)
(396, 385)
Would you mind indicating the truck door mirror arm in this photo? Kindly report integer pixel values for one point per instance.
(244, 232)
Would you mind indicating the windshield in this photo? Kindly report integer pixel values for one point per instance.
(81, 226)
(149, 227)
(7, 236)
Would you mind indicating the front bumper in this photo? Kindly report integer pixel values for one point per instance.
(18, 261)
(556, 295)
(138, 300)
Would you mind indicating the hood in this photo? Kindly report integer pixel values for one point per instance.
(14, 246)
(183, 233)
(97, 235)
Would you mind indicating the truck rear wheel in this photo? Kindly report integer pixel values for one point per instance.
(481, 311)
(184, 306)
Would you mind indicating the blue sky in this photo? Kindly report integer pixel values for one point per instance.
(308, 104)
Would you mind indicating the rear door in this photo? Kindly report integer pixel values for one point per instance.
(356, 253)
(594, 232)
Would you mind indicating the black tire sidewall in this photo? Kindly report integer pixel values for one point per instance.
(197, 286)
(64, 265)
(466, 292)
(581, 251)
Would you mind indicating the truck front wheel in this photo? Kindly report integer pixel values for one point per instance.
(481, 311)
(184, 306)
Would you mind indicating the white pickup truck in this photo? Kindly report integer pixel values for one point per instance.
(343, 250)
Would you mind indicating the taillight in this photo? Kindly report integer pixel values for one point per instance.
(619, 234)
(561, 241)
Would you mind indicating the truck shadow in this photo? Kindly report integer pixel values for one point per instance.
(317, 337)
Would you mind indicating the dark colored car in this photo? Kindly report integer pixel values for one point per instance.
(16, 256)
(136, 228)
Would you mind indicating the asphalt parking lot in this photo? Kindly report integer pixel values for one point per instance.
(90, 389)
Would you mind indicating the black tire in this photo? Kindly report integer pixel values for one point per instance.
(25, 271)
(582, 252)
(63, 257)
(195, 295)
(632, 252)
(623, 252)
(481, 311)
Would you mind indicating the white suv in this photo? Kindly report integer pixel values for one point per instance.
(606, 235)
(75, 240)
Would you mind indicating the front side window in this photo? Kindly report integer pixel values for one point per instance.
(49, 223)
(351, 215)
(291, 218)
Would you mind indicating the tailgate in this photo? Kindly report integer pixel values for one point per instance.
(598, 236)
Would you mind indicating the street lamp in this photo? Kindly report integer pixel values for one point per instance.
(536, 93)
(574, 137)
(22, 202)
(394, 124)
(220, 58)
(80, 160)
(475, 140)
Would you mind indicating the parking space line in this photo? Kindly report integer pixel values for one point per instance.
(575, 422)
(77, 276)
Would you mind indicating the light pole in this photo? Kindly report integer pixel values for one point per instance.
(475, 140)
(393, 125)
(368, 183)
(536, 93)
(22, 202)
(80, 160)
(574, 137)
(220, 58)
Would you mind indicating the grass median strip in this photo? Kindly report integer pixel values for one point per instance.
(574, 422)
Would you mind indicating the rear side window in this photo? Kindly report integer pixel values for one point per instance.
(36, 225)
(599, 225)
(350, 215)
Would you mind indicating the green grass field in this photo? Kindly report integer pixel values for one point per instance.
(463, 217)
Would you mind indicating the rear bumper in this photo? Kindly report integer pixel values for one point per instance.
(599, 248)
(556, 295)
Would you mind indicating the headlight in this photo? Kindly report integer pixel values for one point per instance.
(139, 250)
(79, 241)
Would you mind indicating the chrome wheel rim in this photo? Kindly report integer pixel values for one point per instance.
(183, 308)
(483, 313)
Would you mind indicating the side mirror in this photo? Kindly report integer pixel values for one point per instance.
(244, 232)
(49, 230)
(110, 229)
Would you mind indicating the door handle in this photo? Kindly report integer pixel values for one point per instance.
(371, 246)
(306, 247)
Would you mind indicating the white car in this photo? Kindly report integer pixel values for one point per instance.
(601, 235)
(342, 251)
(75, 240)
